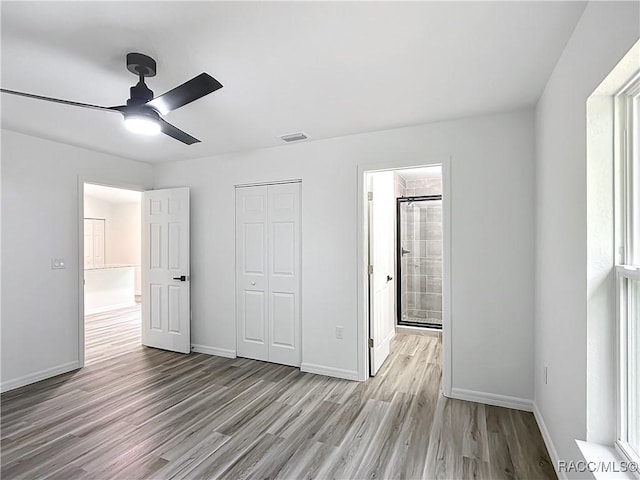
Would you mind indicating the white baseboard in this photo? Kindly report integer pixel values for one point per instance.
(492, 399)
(329, 371)
(94, 311)
(37, 376)
(551, 448)
(218, 352)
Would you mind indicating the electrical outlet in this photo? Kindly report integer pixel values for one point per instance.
(58, 263)
(339, 332)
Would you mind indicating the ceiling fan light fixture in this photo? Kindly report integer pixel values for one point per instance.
(142, 124)
(141, 111)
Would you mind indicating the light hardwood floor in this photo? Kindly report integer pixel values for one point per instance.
(112, 333)
(137, 412)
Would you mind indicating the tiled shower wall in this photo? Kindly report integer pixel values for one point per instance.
(421, 234)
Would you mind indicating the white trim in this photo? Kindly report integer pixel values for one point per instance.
(330, 371)
(624, 452)
(38, 376)
(447, 285)
(595, 453)
(361, 251)
(626, 109)
(218, 352)
(628, 271)
(546, 436)
(492, 399)
(108, 308)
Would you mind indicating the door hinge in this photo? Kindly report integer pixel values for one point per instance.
(371, 343)
(370, 269)
(370, 196)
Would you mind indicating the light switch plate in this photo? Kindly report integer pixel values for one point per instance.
(57, 263)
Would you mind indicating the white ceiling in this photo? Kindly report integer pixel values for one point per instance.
(325, 68)
(111, 194)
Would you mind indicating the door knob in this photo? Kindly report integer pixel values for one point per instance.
(182, 278)
(253, 283)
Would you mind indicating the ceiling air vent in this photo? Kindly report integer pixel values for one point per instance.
(294, 137)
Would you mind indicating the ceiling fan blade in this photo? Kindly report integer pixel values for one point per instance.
(64, 102)
(186, 93)
(176, 133)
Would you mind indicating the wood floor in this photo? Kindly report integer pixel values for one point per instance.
(146, 413)
(112, 333)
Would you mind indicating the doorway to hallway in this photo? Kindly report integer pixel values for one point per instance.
(112, 271)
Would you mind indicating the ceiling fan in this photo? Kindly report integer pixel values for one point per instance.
(143, 113)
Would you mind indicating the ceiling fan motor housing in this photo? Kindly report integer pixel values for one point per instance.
(139, 94)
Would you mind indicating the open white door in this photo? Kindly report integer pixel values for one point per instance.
(381, 260)
(166, 308)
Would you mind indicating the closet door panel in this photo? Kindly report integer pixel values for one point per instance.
(251, 273)
(284, 273)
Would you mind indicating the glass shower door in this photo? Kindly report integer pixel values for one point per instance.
(419, 261)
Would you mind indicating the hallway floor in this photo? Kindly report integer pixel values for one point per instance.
(112, 333)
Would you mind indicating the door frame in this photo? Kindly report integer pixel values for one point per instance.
(362, 259)
(80, 226)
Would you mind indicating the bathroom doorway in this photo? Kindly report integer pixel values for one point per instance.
(406, 227)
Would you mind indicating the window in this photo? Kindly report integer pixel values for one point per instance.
(628, 268)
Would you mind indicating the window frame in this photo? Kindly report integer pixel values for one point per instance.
(627, 257)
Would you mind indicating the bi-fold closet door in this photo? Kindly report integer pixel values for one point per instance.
(268, 277)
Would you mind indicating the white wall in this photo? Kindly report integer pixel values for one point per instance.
(126, 241)
(492, 263)
(123, 235)
(39, 222)
(98, 208)
(603, 35)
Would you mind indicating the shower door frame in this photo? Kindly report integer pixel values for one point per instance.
(401, 322)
